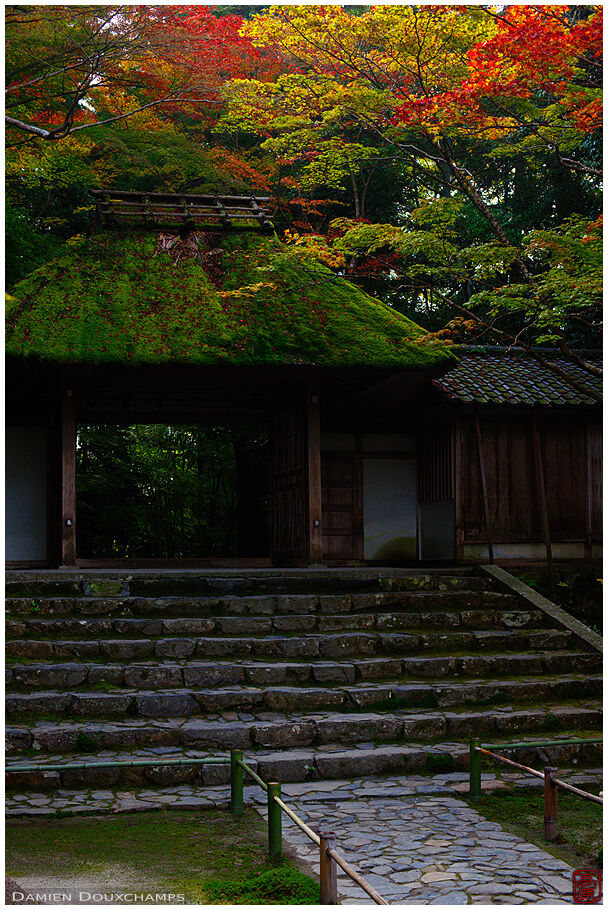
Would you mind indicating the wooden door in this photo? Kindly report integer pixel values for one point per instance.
(436, 495)
(288, 488)
(342, 507)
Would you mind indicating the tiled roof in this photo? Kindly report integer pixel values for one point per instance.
(502, 377)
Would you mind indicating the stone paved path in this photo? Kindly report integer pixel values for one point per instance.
(409, 835)
(187, 796)
(434, 850)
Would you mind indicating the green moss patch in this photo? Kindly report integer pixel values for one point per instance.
(119, 298)
(282, 885)
(521, 812)
(208, 856)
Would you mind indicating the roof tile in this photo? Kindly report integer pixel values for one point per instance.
(510, 377)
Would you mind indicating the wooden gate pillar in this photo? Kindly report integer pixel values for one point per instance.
(68, 478)
(295, 481)
(315, 530)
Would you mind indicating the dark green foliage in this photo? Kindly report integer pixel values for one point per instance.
(282, 885)
(85, 743)
(25, 248)
(578, 592)
(172, 491)
(113, 298)
(439, 764)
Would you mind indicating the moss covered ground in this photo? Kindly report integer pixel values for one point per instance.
(209, 857)
(250, 300)
(521, 812)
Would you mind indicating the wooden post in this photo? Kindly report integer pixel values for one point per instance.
(315, 532)
(588, 496)
(551, 824)
(484, 489)
(68, 479)
(540, 473)
(328, 872)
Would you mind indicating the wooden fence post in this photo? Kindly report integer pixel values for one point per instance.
(328, 871)
(68, 479)
(551, 824)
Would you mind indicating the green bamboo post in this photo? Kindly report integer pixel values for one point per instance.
(475, 770)
(275, 821)
(236, 782)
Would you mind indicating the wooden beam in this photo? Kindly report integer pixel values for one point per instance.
(315, 530)
(68, 479)
(484, 489)
(540, 475)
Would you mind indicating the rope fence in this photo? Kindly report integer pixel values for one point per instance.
(329, 858)
(552, 783)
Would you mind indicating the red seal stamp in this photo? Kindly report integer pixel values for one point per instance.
(587, 886)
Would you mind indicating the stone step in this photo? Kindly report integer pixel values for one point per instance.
(325, 645)
(187, 702)
(73, 627)
(278, 732)
(34, 608)
(297, 765)
(236, 582)
(174, 674)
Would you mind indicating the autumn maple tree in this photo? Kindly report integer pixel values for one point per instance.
(446, 157)
(475, 110)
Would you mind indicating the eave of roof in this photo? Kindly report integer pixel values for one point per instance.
(512, 377)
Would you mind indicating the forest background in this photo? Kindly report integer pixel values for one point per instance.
(445, 158)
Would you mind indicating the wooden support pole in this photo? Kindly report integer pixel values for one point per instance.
(315, 531)
(328, 872)
(544, 511)
(588, 495)
(484, 489)
(551, 823)
(68, 479)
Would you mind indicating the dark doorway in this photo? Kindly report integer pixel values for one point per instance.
(159, 491)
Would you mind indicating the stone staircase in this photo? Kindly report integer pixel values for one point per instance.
(315, 674)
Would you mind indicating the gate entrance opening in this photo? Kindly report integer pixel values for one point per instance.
(166, 491)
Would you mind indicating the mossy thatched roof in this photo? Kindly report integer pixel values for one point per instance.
(251, 300)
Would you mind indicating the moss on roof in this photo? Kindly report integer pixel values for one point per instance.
(118, 298)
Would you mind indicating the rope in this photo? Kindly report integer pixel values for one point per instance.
(507, 761)
(136, 763)
(255, 776)
(583, 793)
(354, 875)
(302, 825)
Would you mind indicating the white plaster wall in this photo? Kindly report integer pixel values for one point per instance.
(26, 494)
(389, 508)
